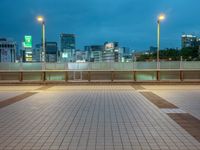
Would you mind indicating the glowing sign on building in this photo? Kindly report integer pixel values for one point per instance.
(109, 46)
(27, 41)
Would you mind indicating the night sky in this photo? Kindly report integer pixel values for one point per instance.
(130, 22)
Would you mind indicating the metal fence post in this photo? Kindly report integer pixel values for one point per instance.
(21, 76)
(134, 76)
(66, 76)
(112, 76)
(158, 75)
(89, 76)
(181, 75)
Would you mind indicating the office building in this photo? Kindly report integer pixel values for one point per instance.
(111, 52)
(189, 41)
(124, 55)
(80, 56)
(94, 53)
(27, 55)
(18, 55)
(7, 50)
(37, 53)
(51, 51)
(68, 47)
(27, 49)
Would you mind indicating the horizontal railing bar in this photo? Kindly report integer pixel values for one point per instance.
(137, 70)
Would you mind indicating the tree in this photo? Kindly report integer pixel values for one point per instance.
(190, 53)
(170, 54)
(167, 54)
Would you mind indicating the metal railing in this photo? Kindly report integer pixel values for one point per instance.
(101, 71)
(101, 66)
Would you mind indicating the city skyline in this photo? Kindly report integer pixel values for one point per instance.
(95, 22)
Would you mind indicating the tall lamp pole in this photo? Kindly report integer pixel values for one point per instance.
(41, 20)
(160, 18)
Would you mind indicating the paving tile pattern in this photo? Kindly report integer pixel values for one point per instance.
(105, 119)
(189, 123)
(172, 110)
(185, 120)
(185, 97)
(187, 100)
(89, 87)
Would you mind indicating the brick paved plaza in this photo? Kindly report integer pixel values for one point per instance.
(99, 117)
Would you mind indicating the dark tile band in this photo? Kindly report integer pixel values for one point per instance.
(157, 100)
(15, 99)
(188, 122)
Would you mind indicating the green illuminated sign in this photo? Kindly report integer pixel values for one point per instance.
(27, 41)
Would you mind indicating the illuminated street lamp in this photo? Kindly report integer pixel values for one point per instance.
(41, 20)
(161, 17)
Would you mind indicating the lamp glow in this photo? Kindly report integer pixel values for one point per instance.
(40, 19)
(161, 17)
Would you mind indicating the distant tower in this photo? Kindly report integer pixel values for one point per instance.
(7, 50)
(189, 41)
(51, 51)
(68, 46)
(111, 52)
(94, 53)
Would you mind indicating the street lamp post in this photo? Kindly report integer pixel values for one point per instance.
(160, 18)
(41, 20)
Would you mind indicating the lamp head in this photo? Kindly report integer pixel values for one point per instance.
(161, 17)
(40, 19)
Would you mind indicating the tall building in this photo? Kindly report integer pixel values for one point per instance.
(189, 41)
(124, 54)
(37, 53)
(27, 51)
(111, 52)
(94, 53)
(7, 50)
(51, 51)
(68, 46)
(80, 56)
(18, 54)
